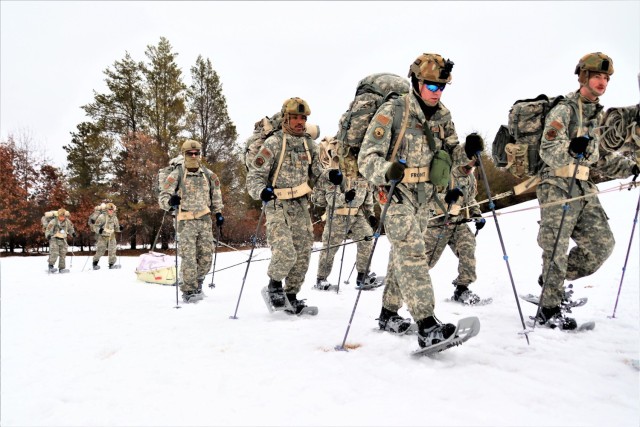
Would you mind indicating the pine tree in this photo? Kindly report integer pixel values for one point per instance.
(164, 92)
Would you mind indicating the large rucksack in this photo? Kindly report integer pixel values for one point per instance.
(516, 146)
(371, 92)
(46, 218)
(263, 129)
(101, 208)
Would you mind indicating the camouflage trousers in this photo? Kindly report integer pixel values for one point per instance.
(359, 227)
(408, 277)
(290, 235)
(586, 223)
(462, 242)
(104, 243)
(58, 249)
(195, 248)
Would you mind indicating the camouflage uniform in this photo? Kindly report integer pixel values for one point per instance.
(408, 212)
(199, 194)
(459, 237)
(289, 228)
(57, 232)
(342, 223)
(585, 221)
(107, 239)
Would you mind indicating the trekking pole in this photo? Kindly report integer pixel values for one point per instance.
(333, 208)
(73, 255)
(492, 206)
(175, 222)
(624, 267)
(565, 208)
(118, 243)
(215, 257)
(88, 256)
(346, 282)
(253, 246)
(366, 271)
(444, 229)
(344, 247)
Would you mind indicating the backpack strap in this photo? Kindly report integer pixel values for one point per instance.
(284, 148)
(405, 122)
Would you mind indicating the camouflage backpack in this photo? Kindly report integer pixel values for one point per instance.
(177, 162)
(516, 146)
(371, 92)
(102, 207)
(263, 129)
(46, 218)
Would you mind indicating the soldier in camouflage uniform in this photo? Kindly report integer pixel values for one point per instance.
(56, 232)
(457, 234)
(106, 227)
(192, 191)
(408, 212)
(353, 214)
(570, 137)
(279, 176)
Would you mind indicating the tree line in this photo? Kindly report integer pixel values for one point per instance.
(132, 130)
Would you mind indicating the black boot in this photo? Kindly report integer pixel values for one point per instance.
(95, 265)
(296, 305)
(391, 321)
(431, 331)
(276, 293)
(463, 295)
(553, 317)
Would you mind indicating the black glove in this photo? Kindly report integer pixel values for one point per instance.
(267, 194)
(578, 145)
(373, 221)
(219, 219)
(101, 230)
(480, 222)
(396, 171)
(452, 195)
(121, 228)
(73, 234)
(174, 200)
(93, 221)
(350, 195)
(335, 176)
(473, 144)
(635, 171)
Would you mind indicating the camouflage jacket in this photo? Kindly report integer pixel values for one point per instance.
(323, 194)
(108, 223)
(414, 147)
(296, 168)
(56, 228)
(561, 125)
(197, 192)
(469, 187)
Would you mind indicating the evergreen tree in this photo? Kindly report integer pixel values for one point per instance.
(164, 92)
(86, 156)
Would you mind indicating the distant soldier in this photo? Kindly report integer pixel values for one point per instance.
(194, 192)
(106, 227)
(56, 232)
(457, 235)
(279, 175)
(353, 214)
(570, 136)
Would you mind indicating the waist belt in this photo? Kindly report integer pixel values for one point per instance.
(346, 211)
(60, 235)
(453, 210)
(567, 172)
(182, 216)
(413, 175)
(292, 192)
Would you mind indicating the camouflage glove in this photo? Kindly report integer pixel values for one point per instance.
(396, 171)
(267, 194)
(335, 176)
(473, 144)
(480, 222)
(578, 145)
(174, 201)
(349, 195)
(452, 195)
(219, 219)
(373, 221)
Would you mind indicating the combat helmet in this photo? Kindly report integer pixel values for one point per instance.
(596, 62)
(431, 67)
(190, 144)
(295, 106)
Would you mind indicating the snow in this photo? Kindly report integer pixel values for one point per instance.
(100, 348)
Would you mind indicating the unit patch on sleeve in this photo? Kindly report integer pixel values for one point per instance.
(378, 132)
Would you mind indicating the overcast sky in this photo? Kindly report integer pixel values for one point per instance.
(53, 54)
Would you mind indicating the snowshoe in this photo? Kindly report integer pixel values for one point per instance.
(554, 317)
(114, 266)
(63, 270)
(390, 321)
(466, 297)
(95, 265)
(52, 269)
(191, 296)
(298, 307)
(370, 282)
(273, 296)
(446, 336)
(323, 285)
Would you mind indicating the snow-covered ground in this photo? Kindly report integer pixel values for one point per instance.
(100, 348)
